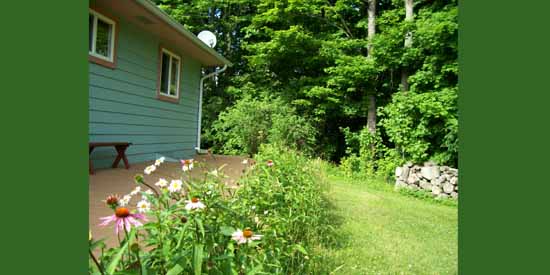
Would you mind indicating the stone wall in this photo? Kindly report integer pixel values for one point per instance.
(441, 181)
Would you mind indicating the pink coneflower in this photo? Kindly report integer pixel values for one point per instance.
(186, 164)
(194, 203)
(269, 163)
(123, 219)
(244, 236)
(112, 201)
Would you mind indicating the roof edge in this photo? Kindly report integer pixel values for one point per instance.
(150, 6)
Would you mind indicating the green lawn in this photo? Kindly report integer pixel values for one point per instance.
(384, 232)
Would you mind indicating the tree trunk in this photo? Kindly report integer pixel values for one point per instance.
(371, 114)
(371, 11)
(408, 43)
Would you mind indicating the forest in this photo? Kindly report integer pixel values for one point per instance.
(366, 84)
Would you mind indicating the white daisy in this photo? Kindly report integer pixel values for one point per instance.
(161, 183)
(159, 161)
(125, 200)
(150, 169)
(135, 191)
(149, 192)
(194, 203)
(143, 206)
(175, 186)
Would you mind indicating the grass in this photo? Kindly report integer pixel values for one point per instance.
(385, 232)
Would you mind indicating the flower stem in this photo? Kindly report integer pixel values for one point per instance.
(138, 258)
(96, 262)
(129, 244)
(154, 190)
(119, 243)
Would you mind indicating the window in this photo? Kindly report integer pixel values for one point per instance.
(101, 46)
(169, 75)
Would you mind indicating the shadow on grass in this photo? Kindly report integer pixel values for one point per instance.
(335, 238)
(332, 239)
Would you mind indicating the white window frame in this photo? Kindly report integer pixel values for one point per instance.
(93, 53)
(178, 58)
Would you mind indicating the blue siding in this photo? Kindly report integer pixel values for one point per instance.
(123, 104)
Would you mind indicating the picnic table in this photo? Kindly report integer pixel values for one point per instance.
(120, 147)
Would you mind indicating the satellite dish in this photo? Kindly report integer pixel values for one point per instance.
(208, 38)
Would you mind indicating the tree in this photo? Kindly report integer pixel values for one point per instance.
(371, 117)
(336, 63)
(408, 43)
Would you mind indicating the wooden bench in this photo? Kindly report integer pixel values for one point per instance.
(120, 147)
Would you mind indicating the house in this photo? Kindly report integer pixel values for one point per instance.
(144, 78)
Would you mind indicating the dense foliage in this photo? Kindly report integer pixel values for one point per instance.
(200, 226)
(312, 56)
(288, 198)
(243, 127)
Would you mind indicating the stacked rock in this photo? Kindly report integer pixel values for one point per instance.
(441, 181)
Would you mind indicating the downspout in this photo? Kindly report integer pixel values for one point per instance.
(198, 148)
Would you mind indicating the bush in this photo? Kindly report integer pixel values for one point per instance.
(287, 198)
(424, 125)
(368, 156)
(273, 223)
(242, 128)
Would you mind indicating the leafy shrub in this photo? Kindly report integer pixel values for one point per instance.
(287, 200)
(352, 165)
(242, 128)
(424, 125)
(368, 156)
(271, 224)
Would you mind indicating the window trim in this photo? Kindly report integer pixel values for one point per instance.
(92, 55)
(162, 95)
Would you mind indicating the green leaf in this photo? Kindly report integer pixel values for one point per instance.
(256, 270)
(201, 227)
(177, 269)
(182, 234)
(118, 256)
(97, 243)
(197, 259)
(300, 248)
(227, 230)
(127, 272)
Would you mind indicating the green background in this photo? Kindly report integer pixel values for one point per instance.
(44, 110)
(504, 134)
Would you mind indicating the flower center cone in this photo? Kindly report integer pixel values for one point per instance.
(247, 233)
(122, 212)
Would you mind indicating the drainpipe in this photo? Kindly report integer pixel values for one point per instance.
(198, 148)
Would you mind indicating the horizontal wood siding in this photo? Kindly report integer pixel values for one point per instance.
(123, 104)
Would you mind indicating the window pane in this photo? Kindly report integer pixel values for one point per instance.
(91, 34)
(103, 38)
(174, 77)
(164, 73)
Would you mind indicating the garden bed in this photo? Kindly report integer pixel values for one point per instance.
(119, 181)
